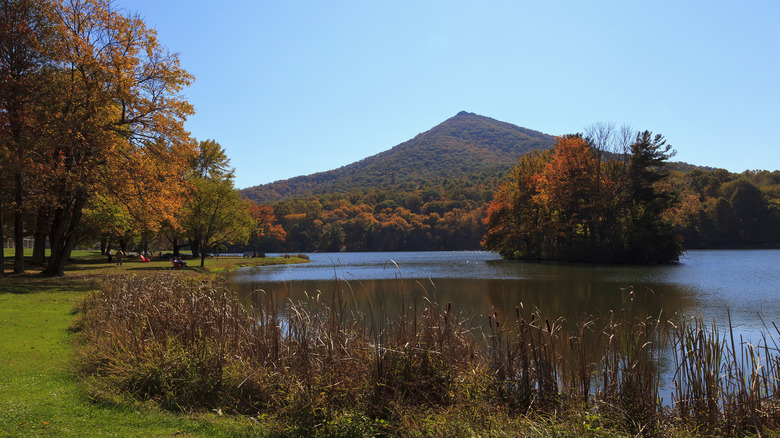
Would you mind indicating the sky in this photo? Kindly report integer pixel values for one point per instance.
(294, 87)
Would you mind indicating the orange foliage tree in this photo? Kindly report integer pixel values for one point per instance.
(570, 205)
(568, 186)
(264, 227)
(515, 216)
(115, 120)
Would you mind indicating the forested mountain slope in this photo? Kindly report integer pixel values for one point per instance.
(432, 193)
(465, 146)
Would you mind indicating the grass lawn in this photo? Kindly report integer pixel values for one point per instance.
(38, 394)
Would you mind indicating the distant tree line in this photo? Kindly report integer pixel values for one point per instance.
(613, 200)
(418, 220)
(718, 209)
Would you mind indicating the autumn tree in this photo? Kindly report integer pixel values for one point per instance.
(515, 217)
(570, 205)
(115, 117)
(568, 188)
(264, 227)
(25, 31)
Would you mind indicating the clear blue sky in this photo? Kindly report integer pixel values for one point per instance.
(291, 87)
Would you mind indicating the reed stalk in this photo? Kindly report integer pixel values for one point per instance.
(191, 345)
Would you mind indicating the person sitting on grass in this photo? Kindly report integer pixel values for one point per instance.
(178, 262)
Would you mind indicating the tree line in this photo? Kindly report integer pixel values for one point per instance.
(703, 208)
(719, 209)
(420, 220)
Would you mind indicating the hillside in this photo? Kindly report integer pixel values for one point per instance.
(432, 193)
(465, 146)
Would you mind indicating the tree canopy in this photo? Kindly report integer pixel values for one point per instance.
(107, 117)
(570, 205)
(215, 213)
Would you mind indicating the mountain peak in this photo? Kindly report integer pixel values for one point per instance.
(465, 146)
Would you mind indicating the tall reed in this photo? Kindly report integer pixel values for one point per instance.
(722, 384)
(192, 345)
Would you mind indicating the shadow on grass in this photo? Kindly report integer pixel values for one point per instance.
(155, 268)
(106, 267)
(83, 272)
(35, 283)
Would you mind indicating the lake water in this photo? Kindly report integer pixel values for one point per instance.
(710, 283)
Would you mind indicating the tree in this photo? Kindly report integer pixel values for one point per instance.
(569, 205)
(515, 216)
(24, 31)
(568, 186)
(752, 216)
(105, 220)
(211, 162)
(264, 227)
(216, 214)
(113, 110)
(650, 237)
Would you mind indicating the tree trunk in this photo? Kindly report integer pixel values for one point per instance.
(254, 243)
(195, 246)
(18, 225)
(176, 248)
(2, 237)
(39, 250)
(64, 233)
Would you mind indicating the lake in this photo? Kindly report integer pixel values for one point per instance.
(706, 282)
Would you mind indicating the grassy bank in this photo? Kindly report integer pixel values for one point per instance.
(92, 263)
(39, 394)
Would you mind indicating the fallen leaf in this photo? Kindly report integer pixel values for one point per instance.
(45, 423)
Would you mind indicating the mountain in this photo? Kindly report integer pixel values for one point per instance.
(462, 147)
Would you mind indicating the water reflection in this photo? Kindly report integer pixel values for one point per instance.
(710, 283)
(475, 283)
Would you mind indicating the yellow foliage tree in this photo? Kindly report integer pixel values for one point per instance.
(115, 120)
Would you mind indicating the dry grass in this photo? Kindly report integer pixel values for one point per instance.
(190, 345)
